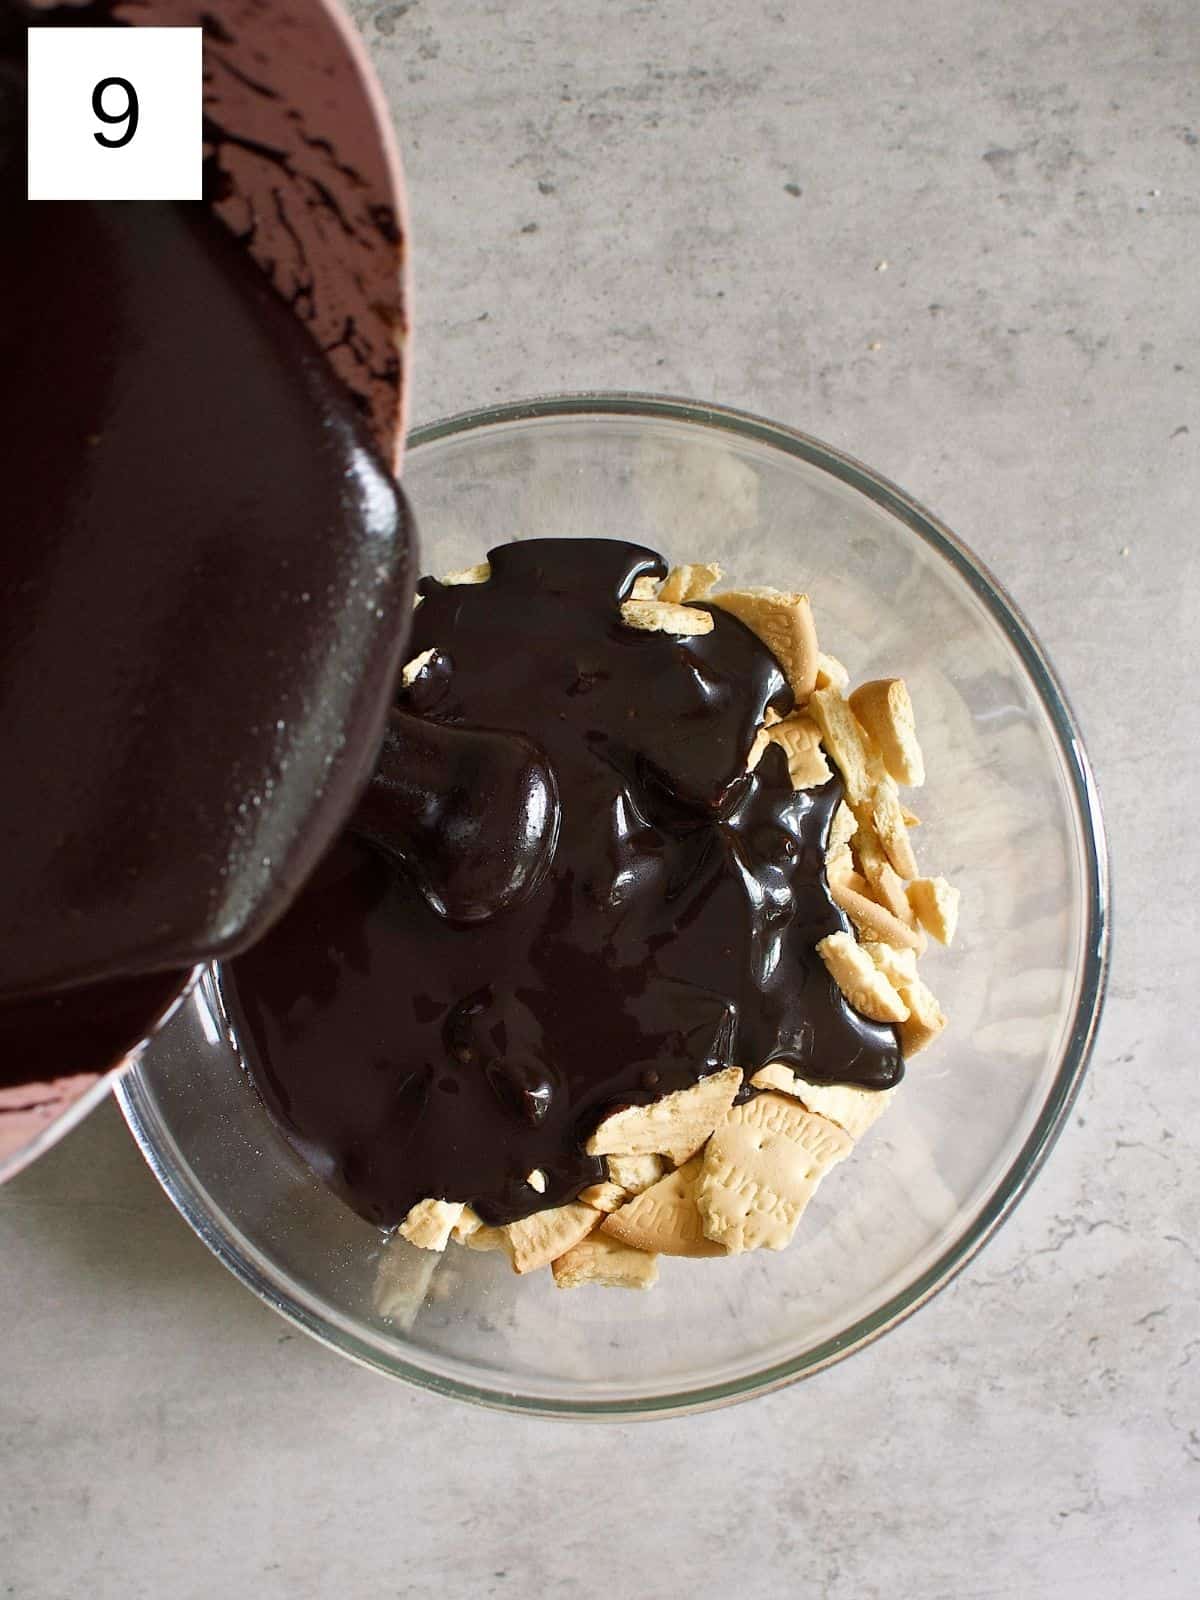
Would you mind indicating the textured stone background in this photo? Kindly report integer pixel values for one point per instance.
(698, 198)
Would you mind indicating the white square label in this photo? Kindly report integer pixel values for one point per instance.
(115, 113)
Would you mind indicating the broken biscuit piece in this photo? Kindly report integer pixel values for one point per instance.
(467, 1224)
(862, 983)
(871, 919)
(486, 1238)
(885, 884)
(936, 905)
(851, 1108)
(479, 573)
(847, 743)
(831, 674)
(694, 581)
(887, 815)
(663, 1219)
(682, 1119)
(604, 1197)
(800, 740)
(884, 709)
(843, 827)
(644, 588)
(925, 1019)
(429, 1222)
(535, 1241)
(839, 863)
(784, 623)
(760, 1169)
(653, 616)
(605, 1261)
(898, 966)
(414, 668)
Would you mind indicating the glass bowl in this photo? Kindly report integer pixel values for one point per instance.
(1009, 813)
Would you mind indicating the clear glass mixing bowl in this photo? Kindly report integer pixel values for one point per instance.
(1009, 813)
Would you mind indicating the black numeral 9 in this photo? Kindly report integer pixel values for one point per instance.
(128, 116)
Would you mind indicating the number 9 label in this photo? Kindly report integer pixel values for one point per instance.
(115, 113)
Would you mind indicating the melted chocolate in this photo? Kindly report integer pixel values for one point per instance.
(205, 585)
(407, 1054)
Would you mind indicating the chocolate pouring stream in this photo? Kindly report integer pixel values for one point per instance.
(205, 586)
(601, 905)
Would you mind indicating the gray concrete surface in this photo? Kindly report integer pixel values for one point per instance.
(699, 197)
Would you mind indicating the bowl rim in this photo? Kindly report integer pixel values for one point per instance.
(1056, 1108)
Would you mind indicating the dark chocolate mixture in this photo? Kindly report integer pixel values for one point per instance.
(205, 573)
(589, 903)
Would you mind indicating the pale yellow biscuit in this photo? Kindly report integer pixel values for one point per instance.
(852, 1108)
(414, 668)
(925, 1019)
(607, 1262)
(862, 983)
(479, 573)
(663, 1219)
(936, 905)
(644, 589)
(800, 740)
(693, 581)
(885, 710)
(760, 1169)
(848, 744)
(653, 616)
(467, 1224)
(885, 884)
(843, 827)
(898, 966)
(887, 814)
(485, 1238)
(839, 863)
(678, 1155)
(429, 1222)
(683, 1118)
(784, 623)
(535, 1241)
(871, 919)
